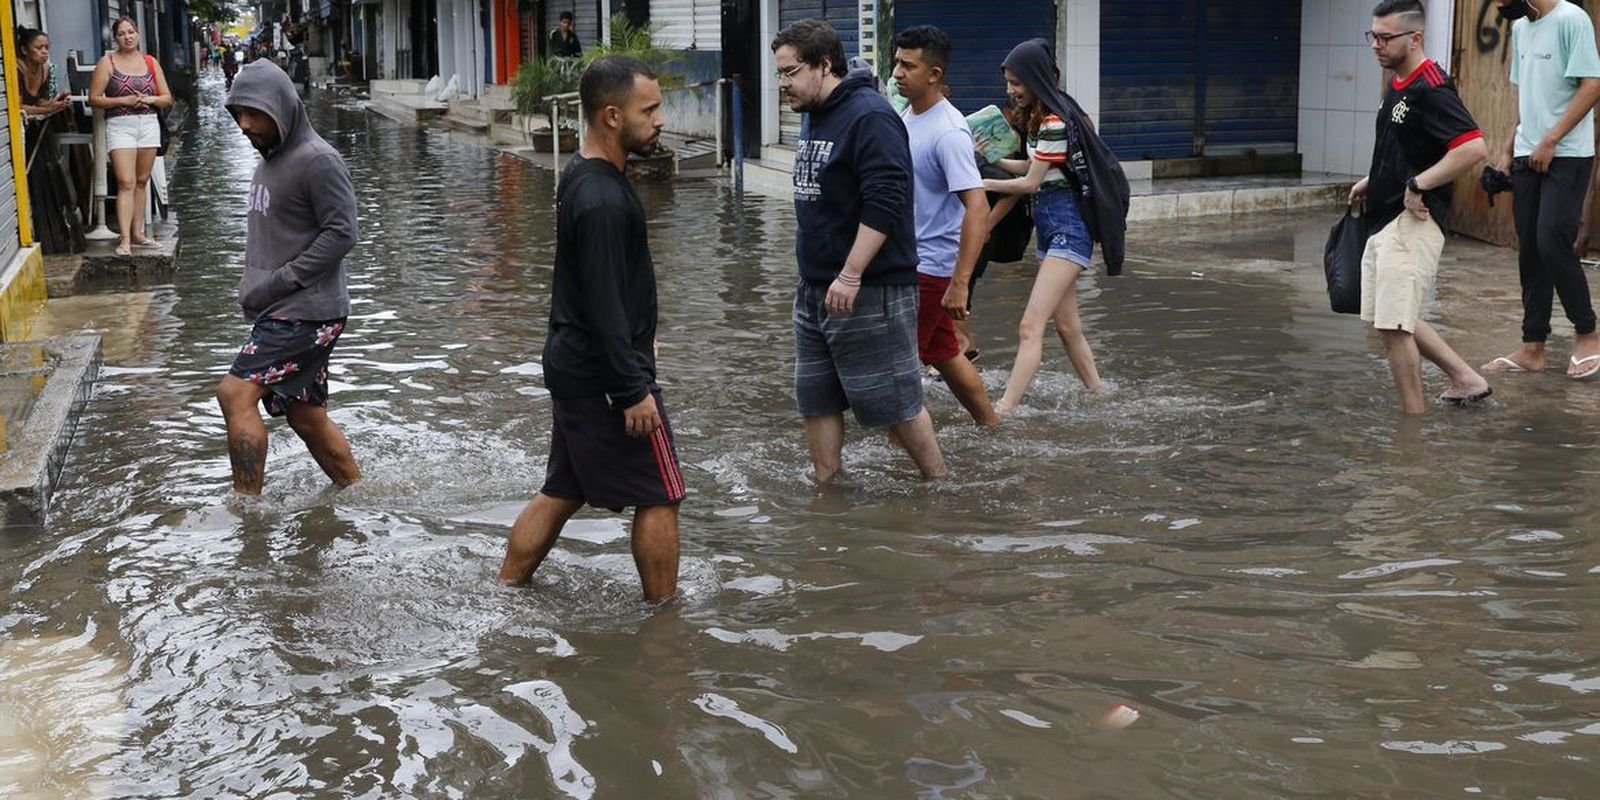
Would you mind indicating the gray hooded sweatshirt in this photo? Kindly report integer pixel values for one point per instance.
(302, 210)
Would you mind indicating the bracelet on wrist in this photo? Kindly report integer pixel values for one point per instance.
(848, 279)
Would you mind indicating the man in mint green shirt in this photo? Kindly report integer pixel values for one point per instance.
(1550, 155)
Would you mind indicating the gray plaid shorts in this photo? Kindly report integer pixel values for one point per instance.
(865, 362)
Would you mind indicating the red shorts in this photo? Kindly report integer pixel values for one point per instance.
(936, 331)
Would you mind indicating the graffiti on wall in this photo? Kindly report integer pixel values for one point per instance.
(1494, 33)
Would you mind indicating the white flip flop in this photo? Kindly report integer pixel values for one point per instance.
(1589, 364)
(1510, 366)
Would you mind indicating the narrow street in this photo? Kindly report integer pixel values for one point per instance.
(1299, 592)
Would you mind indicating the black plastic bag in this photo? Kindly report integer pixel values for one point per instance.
(1341, 261)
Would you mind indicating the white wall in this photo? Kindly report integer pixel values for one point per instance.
(1078, 52)
(1341, 86)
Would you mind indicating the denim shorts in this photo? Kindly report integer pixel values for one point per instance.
(866, 361)
(1060, 228)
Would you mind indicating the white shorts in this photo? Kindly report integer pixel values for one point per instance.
(133, 132)
(1398, 270)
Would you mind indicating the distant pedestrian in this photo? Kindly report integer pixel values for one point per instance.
(1425, 139)
(951, 211)
(1550, 155)
(611, 445)
(1055, 133)
(301, 225)
(564, 40)
(130, 86)
(855, 309)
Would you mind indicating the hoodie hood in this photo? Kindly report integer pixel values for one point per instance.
(264, 86)
(1035, 66)
(854, 81)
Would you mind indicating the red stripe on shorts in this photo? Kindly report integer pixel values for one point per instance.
(671, 477)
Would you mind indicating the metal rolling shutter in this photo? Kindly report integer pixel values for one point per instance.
(1147, 77)
(1182, 78)
(687, 24)
(980, 36)
(10, 242)
(585, 21)
(1252, 68)
(842, 16)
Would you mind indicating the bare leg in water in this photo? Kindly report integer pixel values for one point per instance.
(1053, 298)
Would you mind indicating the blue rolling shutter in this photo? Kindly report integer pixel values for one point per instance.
(842, 15)
(1252, 68)
(1183, 78)
(980, 37)
(1147, 77)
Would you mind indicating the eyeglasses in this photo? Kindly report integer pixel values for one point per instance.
(1374, 37)
(788, 74)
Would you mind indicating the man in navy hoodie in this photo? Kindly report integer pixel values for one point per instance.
(855, 310)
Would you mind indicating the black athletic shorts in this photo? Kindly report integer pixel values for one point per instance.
(593, 459)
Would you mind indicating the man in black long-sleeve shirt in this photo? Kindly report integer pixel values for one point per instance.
(855, 310)
(611, 444)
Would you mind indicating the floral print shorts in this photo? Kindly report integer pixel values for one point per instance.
(289, 358)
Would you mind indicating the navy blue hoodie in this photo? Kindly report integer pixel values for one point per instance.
(852, 166)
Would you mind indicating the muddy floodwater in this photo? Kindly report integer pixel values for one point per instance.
(1302, 594)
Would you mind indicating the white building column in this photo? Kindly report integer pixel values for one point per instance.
(768, 79)
(1078, 52)
(1341, 86)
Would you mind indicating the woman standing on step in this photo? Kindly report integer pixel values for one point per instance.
(1054, 170)
(130, 86)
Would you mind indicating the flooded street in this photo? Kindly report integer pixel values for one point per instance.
(1302, 594)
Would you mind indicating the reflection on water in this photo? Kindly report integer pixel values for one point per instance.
(1301, 595)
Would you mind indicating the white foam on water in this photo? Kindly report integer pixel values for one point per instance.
(737, 511)
(1573, 682)
(1453, 747)
(1546, 737)
(1308, 740)
(1082, 544)
(885, 641)
(1397, 566)
(1269, 572)
(566, 727)
(532, 368)
(1180, 524)
(1536, 536)
(1024, 718)
(719, 706)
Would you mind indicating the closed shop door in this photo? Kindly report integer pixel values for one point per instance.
(1147, 77)
(1184, 78)
(843, 17)
(980, 37)
(1252, 67)
(687, 24)
(585, 20)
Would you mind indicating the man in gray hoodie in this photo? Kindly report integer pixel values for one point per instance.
(302, 222)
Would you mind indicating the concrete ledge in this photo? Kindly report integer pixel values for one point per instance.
(45, 385)
(406, 109)
(22, 294)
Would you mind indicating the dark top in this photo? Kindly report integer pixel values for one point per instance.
(565, 46)
(122, 84)
(1421, 119)
(852, 167)
(603, 304)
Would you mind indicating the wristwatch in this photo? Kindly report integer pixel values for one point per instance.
(1411, 184)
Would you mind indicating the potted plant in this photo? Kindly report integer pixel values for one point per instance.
(536, 82)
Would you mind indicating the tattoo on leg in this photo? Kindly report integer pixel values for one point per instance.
(249, 464)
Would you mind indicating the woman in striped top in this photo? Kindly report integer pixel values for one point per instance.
(130, 86)
(1064, 244)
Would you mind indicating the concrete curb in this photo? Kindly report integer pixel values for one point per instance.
(61, 383)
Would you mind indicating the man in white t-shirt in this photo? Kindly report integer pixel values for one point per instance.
(950, 207)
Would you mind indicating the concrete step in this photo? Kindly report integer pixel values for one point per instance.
(406, 109)
(498, 95)
(49, 382)
(397, 86)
